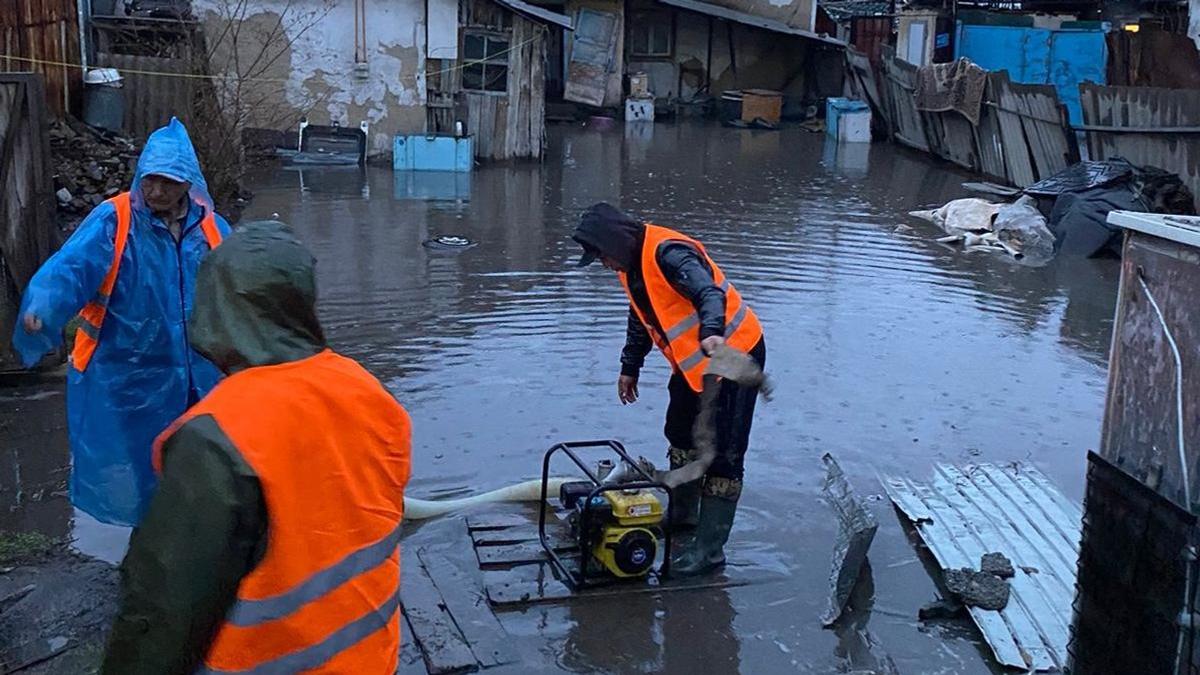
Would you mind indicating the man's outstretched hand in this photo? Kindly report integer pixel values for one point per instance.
(33, 324)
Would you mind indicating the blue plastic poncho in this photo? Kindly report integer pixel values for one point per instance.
(143, 374)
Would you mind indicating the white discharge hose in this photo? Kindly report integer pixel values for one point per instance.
(1187, 618)
(528, 491)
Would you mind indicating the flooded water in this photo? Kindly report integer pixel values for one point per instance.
(888, 350)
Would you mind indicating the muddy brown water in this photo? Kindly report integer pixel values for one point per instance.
(887, 350)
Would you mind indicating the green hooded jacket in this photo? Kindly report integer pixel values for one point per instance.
(206, 526)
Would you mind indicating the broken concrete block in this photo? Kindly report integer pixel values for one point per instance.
(978, 589)
(998, 564)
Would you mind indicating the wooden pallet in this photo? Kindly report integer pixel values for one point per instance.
(449, 618)
(517, 571)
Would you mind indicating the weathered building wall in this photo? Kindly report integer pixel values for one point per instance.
(308, 65)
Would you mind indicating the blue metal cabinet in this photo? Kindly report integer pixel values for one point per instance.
(422, 152)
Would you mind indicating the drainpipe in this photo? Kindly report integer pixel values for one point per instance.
(83, 9)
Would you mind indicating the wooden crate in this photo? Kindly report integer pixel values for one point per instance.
(762, 104)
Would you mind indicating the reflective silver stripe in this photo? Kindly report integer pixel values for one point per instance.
(689, 322)
(344, 638)
(89, 330)
(254, 612)
(692, 361)
(102, 299)
(737, 320)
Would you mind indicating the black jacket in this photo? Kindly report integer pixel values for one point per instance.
(691, 275)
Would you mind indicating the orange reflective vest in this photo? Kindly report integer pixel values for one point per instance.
(87, 336)
(331, 449)
(679, 338)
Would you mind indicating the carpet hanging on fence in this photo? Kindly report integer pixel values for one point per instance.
(952, 86)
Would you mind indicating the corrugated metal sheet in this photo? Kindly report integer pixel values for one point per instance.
(749, 20)
(538, 13)
(964, 513)
(1147, 126)
(42, 36)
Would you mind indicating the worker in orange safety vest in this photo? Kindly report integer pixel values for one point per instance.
(272, 545)
(681, 302)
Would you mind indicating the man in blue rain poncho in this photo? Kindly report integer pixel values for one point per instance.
(128, 272)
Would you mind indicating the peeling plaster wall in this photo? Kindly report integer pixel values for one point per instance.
(315, 75)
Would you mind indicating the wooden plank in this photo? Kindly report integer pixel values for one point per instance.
(988, 139)
(443, 646)
(518, 554)
(910, 129)
(495, 521)
(537, 112)
(556, 531)
(469, 608)
(1017, 161)
(551, 590)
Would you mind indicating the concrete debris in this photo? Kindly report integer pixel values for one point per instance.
(856, 531)
(978, 589)
(997, 564)
(90, 166)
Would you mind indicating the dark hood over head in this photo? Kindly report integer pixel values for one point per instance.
(606, 231)
(256, 300)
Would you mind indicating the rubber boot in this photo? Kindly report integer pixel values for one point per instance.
(685, 499)
(706, 552)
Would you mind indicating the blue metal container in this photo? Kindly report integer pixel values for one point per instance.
(421, 152)
(1063, 58)
(838, 108)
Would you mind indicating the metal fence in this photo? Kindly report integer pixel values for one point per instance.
(1145, 125)
(151, 98)
(1023, 135)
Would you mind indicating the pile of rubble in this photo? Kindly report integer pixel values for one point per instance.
(89, 166)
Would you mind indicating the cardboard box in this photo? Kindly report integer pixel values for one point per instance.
(762, 104)
(639, 85)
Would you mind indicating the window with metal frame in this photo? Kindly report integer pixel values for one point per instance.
(485, 61)
(650, 35)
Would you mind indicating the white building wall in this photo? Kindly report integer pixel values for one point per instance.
(315, 74)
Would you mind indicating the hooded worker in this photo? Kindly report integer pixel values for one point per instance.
(127, 272)
(271, 545)
(680, 301)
